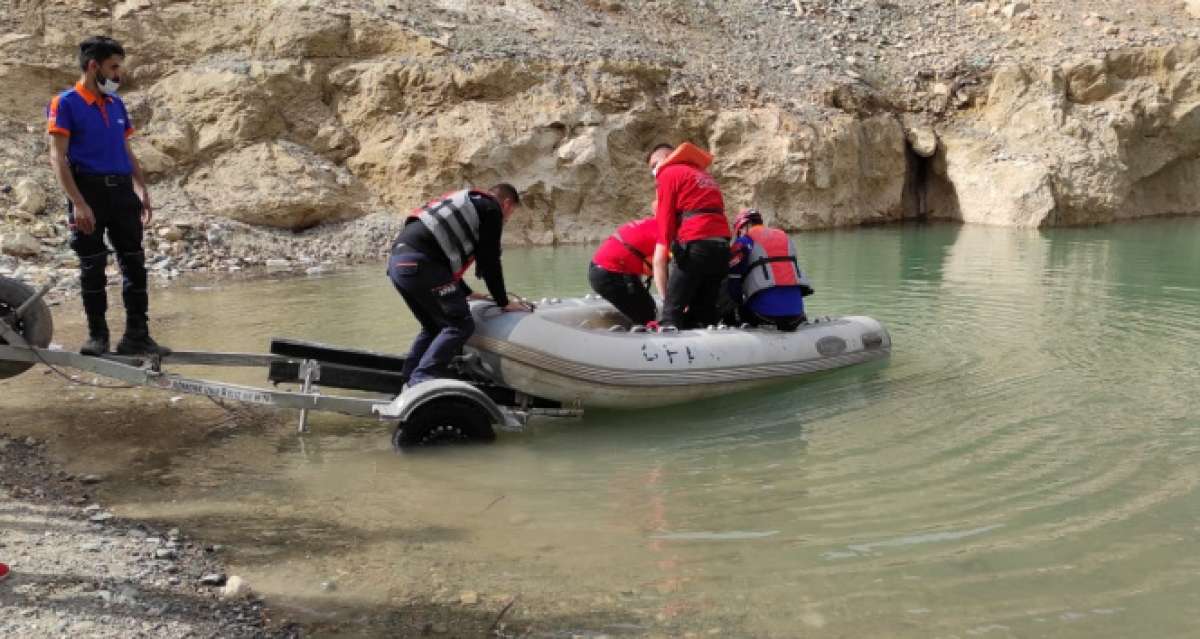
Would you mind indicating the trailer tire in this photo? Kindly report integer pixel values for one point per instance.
(442, 422)
(36, 327)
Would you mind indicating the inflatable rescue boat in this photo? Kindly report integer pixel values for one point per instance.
(583, 352)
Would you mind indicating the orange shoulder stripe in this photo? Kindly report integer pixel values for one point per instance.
(52, 119)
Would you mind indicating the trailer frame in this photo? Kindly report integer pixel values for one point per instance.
(147, 371)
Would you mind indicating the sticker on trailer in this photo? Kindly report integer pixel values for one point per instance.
(219, 391)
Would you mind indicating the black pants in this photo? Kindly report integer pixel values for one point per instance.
(626, 292)
(698, 271)
(439, 303)
(118, 212)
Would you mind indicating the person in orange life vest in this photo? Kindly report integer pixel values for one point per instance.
(765, 280)
(693, 236)
(428, 259)
(89, 132)
(619, 266)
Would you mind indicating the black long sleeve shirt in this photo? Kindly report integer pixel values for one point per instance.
(487, 249)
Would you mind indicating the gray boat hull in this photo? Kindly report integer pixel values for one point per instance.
(566, 351)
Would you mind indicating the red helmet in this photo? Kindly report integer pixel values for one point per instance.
(745, 218)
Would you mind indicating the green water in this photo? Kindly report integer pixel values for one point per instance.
(1024, 465)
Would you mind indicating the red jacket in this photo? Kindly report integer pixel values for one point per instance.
(615, 256)
(682, 188)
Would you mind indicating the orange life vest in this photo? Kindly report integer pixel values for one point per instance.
(772, 262)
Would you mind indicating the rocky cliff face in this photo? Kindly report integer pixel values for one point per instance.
(287, 114)
(392, 132)
(1091, 140)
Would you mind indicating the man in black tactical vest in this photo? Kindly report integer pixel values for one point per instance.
(435, 248)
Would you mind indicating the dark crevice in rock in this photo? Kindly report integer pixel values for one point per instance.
(918, 172)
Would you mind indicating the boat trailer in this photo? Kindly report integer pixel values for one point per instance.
(468, 407)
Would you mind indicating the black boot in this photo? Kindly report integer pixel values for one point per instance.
(95, 346)
(141, 345)
(97, 341)
(137, 341)
(95, 307)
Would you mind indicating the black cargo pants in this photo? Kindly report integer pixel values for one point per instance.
(118, 212)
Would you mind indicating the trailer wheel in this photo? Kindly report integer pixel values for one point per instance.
(36, 327)
(443, 422)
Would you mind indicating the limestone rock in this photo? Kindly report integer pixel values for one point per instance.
(1092, 141)
(236, 588)
(31, 198)
(1088, 81)
(211, 110)
(153, 161)
(171, 233)
(43, 231)
(32, 87)
(799, 173)
(213, 579)
(278, 184)
(1014, 9)
(19, 244)
(983, 189)
(129, 7)
(922, 139)
(300, 28)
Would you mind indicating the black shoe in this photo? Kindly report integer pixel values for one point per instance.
(95, 346)
(141, 345)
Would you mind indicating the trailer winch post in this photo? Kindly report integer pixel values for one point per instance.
(310, 371)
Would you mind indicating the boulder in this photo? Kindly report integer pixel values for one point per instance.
(31, 198)
(210, 110)
(922, 139)
(279, 184)
(19, 244)
(236, 588)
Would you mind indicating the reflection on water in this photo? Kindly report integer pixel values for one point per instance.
(1025, 465)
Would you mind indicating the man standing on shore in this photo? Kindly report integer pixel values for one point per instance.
(90, 154)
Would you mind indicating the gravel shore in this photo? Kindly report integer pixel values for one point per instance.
(79, 571)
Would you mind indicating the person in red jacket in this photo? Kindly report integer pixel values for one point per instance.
(693, 236)
(619, 265)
